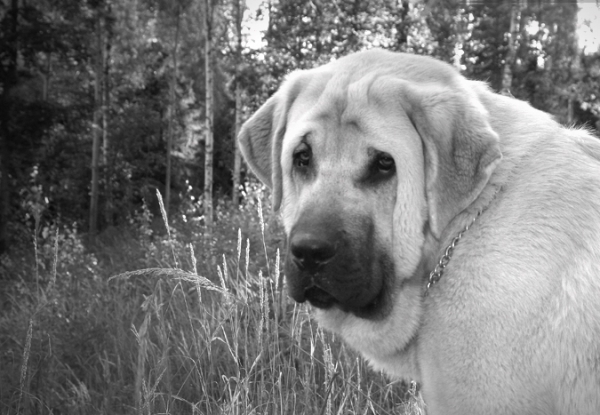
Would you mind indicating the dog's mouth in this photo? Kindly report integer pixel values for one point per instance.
(319, 298)
(355, 278)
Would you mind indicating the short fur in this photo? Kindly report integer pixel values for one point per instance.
(513, 326)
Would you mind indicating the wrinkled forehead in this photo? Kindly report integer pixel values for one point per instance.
(348, 116)
(336, 107)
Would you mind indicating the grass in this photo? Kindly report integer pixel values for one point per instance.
(165, 322)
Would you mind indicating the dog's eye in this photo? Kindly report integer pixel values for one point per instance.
(385, 163)
(302, 157)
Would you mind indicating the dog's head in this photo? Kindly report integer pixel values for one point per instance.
(368, 157)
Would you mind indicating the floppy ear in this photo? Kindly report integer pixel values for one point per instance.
(260, 137)
(460, 148)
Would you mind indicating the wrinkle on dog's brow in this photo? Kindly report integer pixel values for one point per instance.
(357, 97)
(333, 101)
(343, 99)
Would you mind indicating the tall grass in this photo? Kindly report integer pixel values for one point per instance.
(190, 328)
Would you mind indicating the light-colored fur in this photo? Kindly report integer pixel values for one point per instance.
(513, 326)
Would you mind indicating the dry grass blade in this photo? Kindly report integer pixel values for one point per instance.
(175, 273)
(159, 348)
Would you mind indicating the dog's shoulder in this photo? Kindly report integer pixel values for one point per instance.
(588, 144)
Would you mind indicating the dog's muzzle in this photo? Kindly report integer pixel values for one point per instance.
(310, 252)
(329, 264)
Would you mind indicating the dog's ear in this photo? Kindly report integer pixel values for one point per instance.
(461, 150)
(260, 137)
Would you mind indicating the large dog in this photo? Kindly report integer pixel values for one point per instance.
(449, 234)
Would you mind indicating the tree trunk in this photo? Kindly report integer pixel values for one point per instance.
(171, 112)
(509, 59)
(208, 153)
(402, 26)
(96, 131)
(46, 77)
(5, 131)
(5, 189)
(106, 156)
(570, 111)
(237, 156)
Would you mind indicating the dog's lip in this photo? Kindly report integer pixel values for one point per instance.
(323, 300)
(319, 298)
(361, 300)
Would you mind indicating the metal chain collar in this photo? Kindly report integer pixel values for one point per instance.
(438, 271)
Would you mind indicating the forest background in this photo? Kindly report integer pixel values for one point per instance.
(118, 158)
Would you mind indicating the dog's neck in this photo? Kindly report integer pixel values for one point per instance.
(438, 252)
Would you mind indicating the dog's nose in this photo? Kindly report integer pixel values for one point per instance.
(310, 251)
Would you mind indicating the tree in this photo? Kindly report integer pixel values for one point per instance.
(546, 66)
(446, 21)
(237, 156)
(107, 160)
(210, 116)
(171, 112)
(486, 44)
(30, 40)
(10, 81)
(97, 123)
(509, 60)
(68, 68)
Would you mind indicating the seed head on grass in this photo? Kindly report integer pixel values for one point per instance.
(238, 254)
(260, 217)
(225, 271)
(163, 212)
(277, 284)
(25, 361)
(193, 258)
(415, 404)
(37, 263)
(262, 301)
(55, 261)
(247, 263)
(262, 233)
(195, 267)
(221, 279)
(179, 274)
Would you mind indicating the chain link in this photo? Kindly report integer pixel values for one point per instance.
(438, 271)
